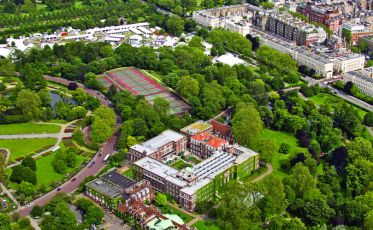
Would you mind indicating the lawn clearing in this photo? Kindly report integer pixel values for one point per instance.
(205, 225)
(281, 137)
(23, 147)
(179, 164)
(168, 209)
(323, 98)
(28, 128)
(193, 159)
(45, 173)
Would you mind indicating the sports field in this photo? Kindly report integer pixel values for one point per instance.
(137, 83)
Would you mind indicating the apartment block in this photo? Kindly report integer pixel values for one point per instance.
(162, 147)
(349, 62)
(321, 13)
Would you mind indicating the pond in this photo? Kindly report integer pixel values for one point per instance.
(55, 98)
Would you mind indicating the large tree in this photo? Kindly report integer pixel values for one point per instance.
(32, 78)
(29, 103)
(188, 87)
(247, 125)
(238, 208)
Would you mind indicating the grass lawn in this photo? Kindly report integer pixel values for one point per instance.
(282, 137)
(22, 147)
(28, 128)
(324, 98)
(168, 209)
(205, 225)
(179, 164)
(45, 173)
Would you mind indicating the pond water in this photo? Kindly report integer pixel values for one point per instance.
(57, 98)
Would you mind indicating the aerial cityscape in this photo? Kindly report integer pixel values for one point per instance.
(187, 114)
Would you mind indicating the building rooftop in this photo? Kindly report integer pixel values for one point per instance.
(150, 146)
(104, 188)
(216, 142)
(161, 170)
(118, 179)
(196, 127)
(203, 136)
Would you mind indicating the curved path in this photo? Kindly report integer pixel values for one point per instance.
(96, 162)
(262, 176)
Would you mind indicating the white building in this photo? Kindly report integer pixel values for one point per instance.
(300, 54)
(359, 79)
(313, 61)
(349, 62)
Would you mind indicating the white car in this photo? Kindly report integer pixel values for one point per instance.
(30, 204)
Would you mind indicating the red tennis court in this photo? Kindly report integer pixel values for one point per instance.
(137, 83)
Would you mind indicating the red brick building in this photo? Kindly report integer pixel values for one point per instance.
(322, 14)
(204, 144)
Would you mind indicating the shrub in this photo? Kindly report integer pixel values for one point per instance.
(37, 211)
(284, 148)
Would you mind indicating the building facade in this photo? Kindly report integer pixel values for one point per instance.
(362, 79)
(349, 63)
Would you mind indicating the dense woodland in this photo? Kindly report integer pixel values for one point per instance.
(331, 135)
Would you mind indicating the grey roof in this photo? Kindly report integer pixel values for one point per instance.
(118, 179)
(104, 187)
(162, 170)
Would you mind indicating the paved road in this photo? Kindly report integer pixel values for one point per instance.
(339, 93)
(352, 99)
(94, 166)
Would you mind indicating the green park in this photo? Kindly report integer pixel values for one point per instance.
(22, 147)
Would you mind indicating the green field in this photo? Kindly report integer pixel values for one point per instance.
(281, 137)
(324, 98)
(45, 173)
(205, 225)
(22, 147)
(28, 128)
(180, 165)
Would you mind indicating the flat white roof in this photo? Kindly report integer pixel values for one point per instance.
(230, 59)
(161, 170)
(151, 145)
